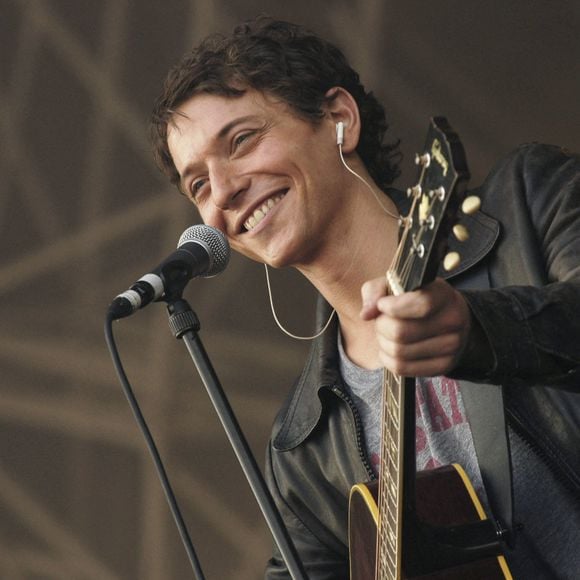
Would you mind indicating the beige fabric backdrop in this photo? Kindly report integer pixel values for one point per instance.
(84, 213)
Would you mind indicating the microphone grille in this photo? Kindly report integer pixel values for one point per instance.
(215, 243)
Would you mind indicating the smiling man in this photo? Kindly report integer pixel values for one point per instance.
(271, 135)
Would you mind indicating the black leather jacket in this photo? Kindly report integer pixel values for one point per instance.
(520, 273)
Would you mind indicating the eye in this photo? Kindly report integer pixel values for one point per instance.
(196, 187)
(242, 138)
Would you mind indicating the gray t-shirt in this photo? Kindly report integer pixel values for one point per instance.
(443, 435)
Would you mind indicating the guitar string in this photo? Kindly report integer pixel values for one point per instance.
(388, 553)
(390, 566)
(386, 567)
(385, 549)
(385, 563)
(390, 411)
(385, 559)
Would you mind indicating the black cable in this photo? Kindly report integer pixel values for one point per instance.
(169, 495)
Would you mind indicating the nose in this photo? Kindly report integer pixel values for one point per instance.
(227, 185)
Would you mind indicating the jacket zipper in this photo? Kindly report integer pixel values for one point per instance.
(358, 429)
(517, 424)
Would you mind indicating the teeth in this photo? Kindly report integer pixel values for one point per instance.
(260, 212)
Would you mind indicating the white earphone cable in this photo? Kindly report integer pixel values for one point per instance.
(280, 324)
(340, 135)
(389, 213)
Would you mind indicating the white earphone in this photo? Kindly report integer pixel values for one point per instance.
(340, 133)
(340, 141)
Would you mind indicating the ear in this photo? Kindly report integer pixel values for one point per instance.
(341, 106)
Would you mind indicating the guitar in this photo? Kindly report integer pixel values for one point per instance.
(427, 525)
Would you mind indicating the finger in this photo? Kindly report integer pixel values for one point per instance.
(406, 326)
(409, 330)
(420, 303)
(411, 305)
(447, 345)
(422, 367)
(371, 292)
(429, 355)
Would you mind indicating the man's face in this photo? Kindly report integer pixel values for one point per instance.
(259, 173)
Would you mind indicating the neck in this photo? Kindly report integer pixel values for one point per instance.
(340, 268)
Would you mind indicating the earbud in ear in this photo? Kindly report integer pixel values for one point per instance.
(339, 133)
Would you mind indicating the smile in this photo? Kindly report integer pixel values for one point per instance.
(261, 212)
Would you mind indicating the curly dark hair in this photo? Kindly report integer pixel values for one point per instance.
(280, 59)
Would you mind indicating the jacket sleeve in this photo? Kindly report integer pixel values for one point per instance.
(319, 560)
(530, 333)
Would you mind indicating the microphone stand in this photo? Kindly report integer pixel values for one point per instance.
(184, 324)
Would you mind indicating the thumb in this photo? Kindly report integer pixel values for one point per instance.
(371, 291)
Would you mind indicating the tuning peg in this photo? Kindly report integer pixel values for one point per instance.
(439, 193)
(415, 191)
(471, 204)
(424, 160)
(451, 261)
(461, 232)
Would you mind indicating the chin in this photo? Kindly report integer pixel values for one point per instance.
(276, 255)
(277, 262)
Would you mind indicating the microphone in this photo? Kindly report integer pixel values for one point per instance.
(202, 251)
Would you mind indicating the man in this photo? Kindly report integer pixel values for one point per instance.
(247, 129)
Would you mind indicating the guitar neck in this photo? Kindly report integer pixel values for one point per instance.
(434, 200)
(397, 473)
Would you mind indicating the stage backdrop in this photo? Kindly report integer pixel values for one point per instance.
(84, 213)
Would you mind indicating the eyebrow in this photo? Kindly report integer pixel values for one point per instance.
(221, 134)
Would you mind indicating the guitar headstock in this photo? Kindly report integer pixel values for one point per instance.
(435, 200)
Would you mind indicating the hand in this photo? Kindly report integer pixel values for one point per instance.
(419, 333)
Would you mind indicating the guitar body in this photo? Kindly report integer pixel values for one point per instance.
(433, 491)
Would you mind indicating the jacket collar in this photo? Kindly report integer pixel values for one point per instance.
(302, 410)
